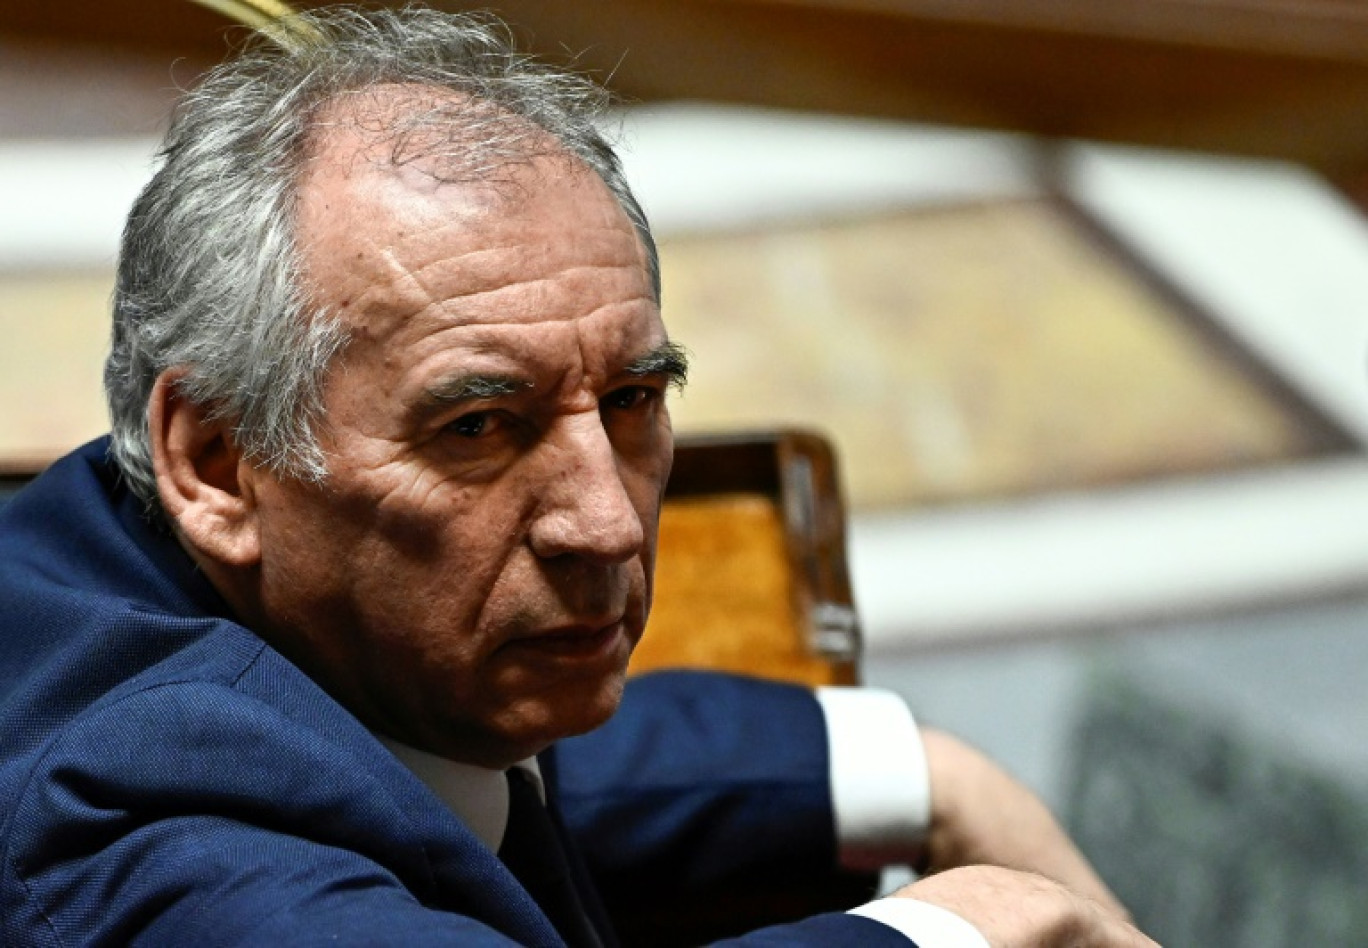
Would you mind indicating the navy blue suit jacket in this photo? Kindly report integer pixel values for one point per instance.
(168, 778)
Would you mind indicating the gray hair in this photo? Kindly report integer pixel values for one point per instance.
(209, 276)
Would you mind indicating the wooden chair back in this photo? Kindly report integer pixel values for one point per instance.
(751, 575)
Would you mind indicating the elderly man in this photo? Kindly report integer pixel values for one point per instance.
(298, 654)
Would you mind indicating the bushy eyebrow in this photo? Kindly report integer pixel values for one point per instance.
(469, 388)
(669, 359)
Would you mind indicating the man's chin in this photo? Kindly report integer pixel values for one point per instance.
(528, 725)
(570, 711)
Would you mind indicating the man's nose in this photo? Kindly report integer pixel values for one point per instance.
(585, 509)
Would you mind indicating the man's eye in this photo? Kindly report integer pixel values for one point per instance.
(632, 396)
(472, 425)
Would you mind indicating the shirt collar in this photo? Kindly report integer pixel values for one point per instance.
(478, 795)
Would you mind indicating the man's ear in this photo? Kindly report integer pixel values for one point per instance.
(205, 487)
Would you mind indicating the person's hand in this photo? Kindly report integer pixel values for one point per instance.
(980, 816)
(1014, 909)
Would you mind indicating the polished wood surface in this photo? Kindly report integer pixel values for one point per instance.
(751, 575)
(1285, 78)
(724, 592)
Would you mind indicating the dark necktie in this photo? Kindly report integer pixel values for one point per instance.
(533, 852)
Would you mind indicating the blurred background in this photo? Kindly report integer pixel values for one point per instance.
(1079, 290)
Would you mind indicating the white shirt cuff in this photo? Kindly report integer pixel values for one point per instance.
(880, 790)
(930, 926)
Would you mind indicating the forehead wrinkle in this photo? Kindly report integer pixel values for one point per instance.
(488, 265)
(546, 299)
(391, 289)
(622, 355)
(407, 282)
(490, 255)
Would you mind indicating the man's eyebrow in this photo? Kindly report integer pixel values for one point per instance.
(669, 359)
(466, 388)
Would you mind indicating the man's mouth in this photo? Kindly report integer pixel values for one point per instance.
(574, 642)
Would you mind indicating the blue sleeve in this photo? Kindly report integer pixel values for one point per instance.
(703, 808)
(187, 814)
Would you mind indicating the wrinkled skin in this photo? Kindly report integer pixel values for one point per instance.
(474, 573)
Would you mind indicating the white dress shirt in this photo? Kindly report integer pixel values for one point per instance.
(882, 801)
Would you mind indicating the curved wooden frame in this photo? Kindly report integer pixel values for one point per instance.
(761, 496)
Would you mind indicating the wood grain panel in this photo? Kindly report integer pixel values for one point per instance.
(1284, 79)
(724, 596)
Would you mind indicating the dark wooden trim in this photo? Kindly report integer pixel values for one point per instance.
(1328, 29)
(1279, 78)
(10, 483)
(743, 462)
(20, 470)
(1353, 184)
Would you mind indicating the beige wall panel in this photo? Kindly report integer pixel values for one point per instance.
(54, 332)
(966, 352)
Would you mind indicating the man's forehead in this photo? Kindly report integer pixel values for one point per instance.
(450, 136)
(432, 268)
(369, 191)
(394, 241)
